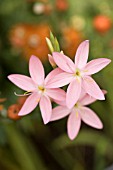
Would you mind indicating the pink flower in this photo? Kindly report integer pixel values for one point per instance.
(76, 114)
(38, 89)
(78, 74)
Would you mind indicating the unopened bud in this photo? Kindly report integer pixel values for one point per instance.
(49, 45)
(61, 52)
(57, 47)
(51, 60)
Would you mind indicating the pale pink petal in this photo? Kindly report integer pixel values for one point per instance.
(52, 74)
(59, 113)
(30, 104)
(87, 99)
(92, 88)
(73, 93)
(36, 70)
(96, 65)
(46, 108)
(57, 94)
(24, 82)
(104, 92)
(61, 103)
(60, 80)
(73, 124)
(81, 56)
(90, 118)
(82, 94)
(64, 62)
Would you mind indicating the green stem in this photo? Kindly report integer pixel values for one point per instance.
(26, 156)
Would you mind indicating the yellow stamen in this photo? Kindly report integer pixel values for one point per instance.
(77, 114)
(89, 80)
(85, 70)
(78, 79)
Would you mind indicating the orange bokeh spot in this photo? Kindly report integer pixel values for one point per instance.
(70, 41)
(102, 23)
(30, 39)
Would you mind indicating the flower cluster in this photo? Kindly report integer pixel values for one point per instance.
(81, 91)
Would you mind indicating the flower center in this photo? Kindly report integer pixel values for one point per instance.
(41, 88)
(77, 73)
(76, 105)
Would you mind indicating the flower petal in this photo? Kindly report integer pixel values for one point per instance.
(61, 103)
(52, 74)
(96, 65)
(57, 94)
(46, 108)
(82, 54)
(92, 88)
(59, 113)
(73, 93)
(82, 94)
(36, 70)
(60, 80)
(73, 125)
(30, 104)
(90, 118)
(24, 82)
(64, 62)
(87, 99)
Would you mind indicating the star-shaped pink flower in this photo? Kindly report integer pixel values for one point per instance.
(38, 88)
(76, 114)
(78, 74)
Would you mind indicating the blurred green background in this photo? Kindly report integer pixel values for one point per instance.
(26, 143)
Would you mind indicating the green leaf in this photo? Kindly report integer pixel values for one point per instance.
(23, 150)
(85, 137)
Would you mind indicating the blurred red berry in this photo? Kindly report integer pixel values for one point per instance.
(62, 5)
(13, 111)
(102, 23)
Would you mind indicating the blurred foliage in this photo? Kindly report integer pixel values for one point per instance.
(27, 144)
